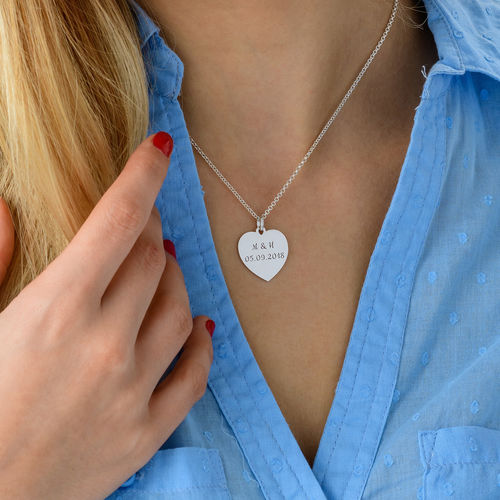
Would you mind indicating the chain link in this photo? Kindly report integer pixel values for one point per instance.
(260, 219)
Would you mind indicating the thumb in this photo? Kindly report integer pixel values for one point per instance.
(6, 238)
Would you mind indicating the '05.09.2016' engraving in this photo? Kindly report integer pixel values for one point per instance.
(266, 255)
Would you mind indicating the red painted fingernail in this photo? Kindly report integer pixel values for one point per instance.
(164, 142)
(169, 247)
(210, 325)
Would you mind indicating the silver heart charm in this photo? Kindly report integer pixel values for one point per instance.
(263, 254)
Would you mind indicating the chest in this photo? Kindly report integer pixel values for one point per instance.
(298, 324)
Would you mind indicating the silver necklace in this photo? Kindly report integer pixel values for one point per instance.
(265, 251)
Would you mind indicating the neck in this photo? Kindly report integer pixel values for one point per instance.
(262, 78)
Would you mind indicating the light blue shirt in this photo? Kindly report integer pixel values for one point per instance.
(416, 412)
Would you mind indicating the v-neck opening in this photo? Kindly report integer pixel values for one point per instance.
(236, 380)
(239, 385)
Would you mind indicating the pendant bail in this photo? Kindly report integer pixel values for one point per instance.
(260, 225)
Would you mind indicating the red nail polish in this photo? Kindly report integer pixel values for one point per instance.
(164, 142)
(210, 325)
(169, 247)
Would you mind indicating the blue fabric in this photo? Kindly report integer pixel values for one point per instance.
(416, 412)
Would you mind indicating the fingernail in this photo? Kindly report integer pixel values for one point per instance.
(164, 142)
(169, 247)
(210, 325)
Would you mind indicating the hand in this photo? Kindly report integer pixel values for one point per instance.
(86, 342)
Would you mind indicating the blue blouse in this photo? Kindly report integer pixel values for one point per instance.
(416, 412)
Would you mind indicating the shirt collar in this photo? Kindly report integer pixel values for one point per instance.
(145, 25)
(466, 34)
(164, 67)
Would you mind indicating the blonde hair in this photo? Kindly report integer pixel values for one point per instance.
(73, 107)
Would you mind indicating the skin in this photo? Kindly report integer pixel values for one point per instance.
(261, 79)
(85, 344)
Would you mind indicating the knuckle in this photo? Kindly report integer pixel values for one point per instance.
(130, 399)
(152, 254)
(155, 214)
(54, 312)
(49, 318)
(155, 225)
(85, 297)
(157, 222)
(180, 317)
(124, 215)
(196, 377)
(111, 356)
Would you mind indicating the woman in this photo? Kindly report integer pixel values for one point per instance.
(360, 359)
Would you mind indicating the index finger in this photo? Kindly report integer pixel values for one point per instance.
(117, 220)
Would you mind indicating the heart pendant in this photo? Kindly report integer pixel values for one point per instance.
(264, 254)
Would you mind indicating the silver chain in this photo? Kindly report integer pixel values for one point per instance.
(260, 220)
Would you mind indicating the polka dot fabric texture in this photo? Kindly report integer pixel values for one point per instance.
(416, 412)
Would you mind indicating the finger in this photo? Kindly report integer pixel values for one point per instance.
(6, 238)
(184, 385)
(132, 288)
(167, 325)
(115, 223)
